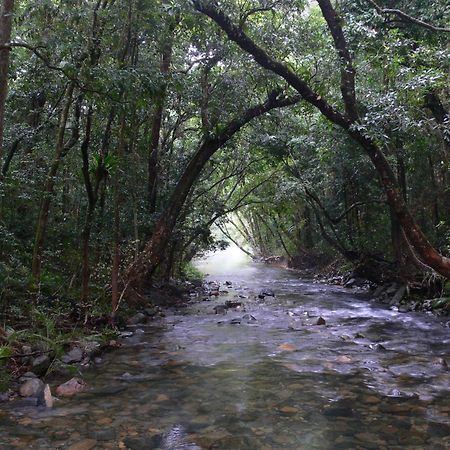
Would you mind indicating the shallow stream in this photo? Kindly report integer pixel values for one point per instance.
(370, 378)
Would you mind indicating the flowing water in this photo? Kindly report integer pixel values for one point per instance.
(371, 378)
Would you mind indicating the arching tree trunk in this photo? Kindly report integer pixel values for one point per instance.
(416, 238)
(140, 271)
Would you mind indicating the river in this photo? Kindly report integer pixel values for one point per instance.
(370, 378)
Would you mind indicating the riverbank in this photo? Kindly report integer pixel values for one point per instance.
(429, 295)
(54, 341)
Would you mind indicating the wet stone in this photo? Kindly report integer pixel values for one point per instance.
(41, 364)
(72, 387)
(321, 321)
(75, 355)
(107, 434)
(31, 388)
(85, 444)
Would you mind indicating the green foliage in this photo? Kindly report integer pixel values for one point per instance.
(189, 272)
(261, 178)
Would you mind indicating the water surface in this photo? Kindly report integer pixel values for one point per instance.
(370, 378)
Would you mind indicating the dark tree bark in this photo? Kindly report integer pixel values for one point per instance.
(418, 241)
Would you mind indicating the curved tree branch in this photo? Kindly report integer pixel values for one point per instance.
(407, 18)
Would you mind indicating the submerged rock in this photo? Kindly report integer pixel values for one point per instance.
(72, 387)
(440, 362)
(86, 444)
(249, 318)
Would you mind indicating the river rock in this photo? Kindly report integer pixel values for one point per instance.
(72, 387)
(137, 319)
(31, 388)
(266, 293)
(86, 444)
(106, 434)
(288, 410)
(27, 376)
(248, 318)
(398, 296)
(151, 312)
(45, 397)
(232, 304)
(75, 355)
(321, 321)
(440, 362)
(220, 309)
(377, 347)
(41, 364)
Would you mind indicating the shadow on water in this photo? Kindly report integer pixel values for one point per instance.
(369, 378)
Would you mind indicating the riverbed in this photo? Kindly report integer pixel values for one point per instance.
(263, 376)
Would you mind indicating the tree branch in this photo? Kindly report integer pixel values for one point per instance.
(347, 69)
(262, 57)
(407, 18)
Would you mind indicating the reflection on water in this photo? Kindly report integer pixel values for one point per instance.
(370, 378)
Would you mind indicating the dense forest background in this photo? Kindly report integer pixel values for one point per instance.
(134, 130)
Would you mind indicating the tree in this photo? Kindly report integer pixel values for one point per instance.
(348, 121)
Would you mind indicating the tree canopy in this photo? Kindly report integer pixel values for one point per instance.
(136, 135)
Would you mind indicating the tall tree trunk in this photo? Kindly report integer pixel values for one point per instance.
(157, 118)
(42, 222)
(117, 232)
(92, 190)
(85, 237)
(6, 16)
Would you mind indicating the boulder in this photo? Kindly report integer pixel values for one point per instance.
(398, 296)
(75, 355)
(41, 364)
(45, 397)
(31, 388)
(72, 387)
